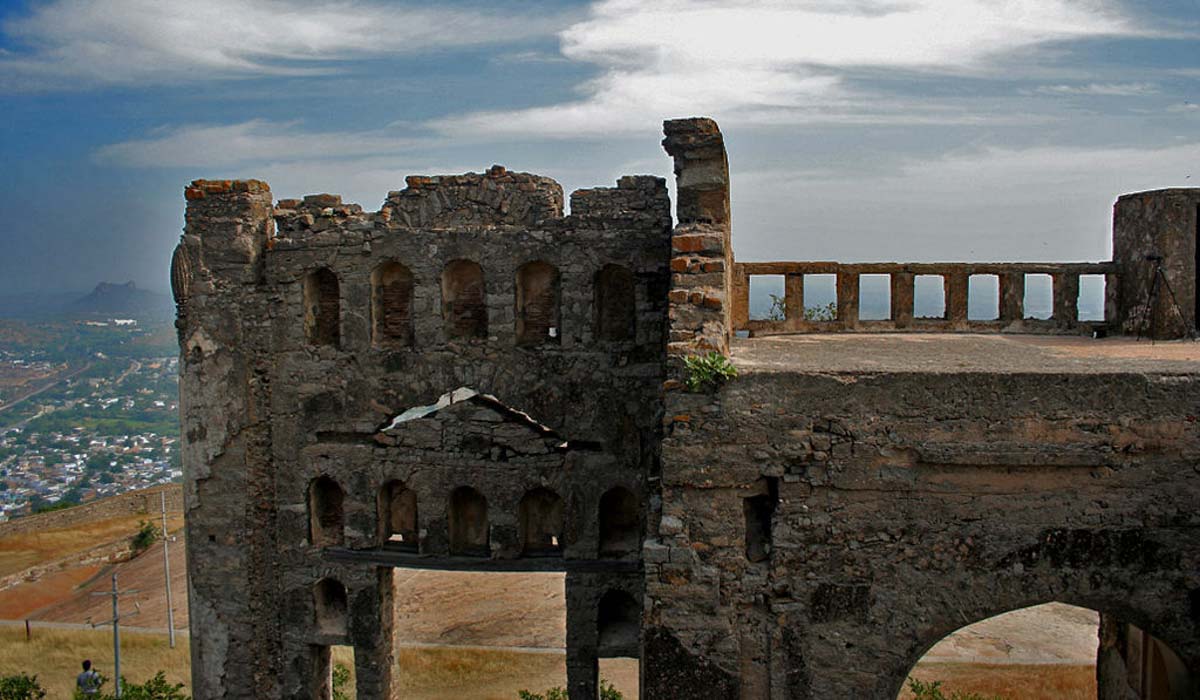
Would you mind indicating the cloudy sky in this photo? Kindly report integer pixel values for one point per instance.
(857, 129)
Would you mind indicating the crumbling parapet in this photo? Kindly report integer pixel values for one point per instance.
(701, 249)
(1153, 230)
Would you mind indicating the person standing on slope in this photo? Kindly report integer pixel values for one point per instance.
(89, 681)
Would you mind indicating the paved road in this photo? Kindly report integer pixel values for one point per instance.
(56, 382)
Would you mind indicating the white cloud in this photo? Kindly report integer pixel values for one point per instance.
(76, 43)
(744, 61)
(1101, 89)
(994, 204)
(1185, 108)
(255, 141)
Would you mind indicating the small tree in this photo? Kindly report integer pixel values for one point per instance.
(145, 536)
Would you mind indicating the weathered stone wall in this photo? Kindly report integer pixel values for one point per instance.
(797, 534)
(282, 388)
(911, 505)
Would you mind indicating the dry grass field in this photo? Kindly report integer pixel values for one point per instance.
(19, 552)
(1012, 681)
(423, 673)
(54, 656)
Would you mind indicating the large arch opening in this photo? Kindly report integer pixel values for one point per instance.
(326, 521)
(541, 521)
(620, 523)
(1050, 652)
(537, 304)
(322, 304)
(397, 511)
(464, 300)
(391, 305)
(468, 523)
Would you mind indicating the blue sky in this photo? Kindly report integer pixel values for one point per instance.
(858, 129)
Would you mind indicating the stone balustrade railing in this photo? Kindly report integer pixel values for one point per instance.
(1010, 314)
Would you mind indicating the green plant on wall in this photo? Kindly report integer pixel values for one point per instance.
(707, 371)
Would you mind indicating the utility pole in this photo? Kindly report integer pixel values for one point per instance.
(167, 570)
(116, 623)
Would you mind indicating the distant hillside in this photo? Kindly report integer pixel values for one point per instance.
(110, 298)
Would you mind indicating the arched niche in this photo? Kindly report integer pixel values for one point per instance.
(329, 606)
(398, 523)
(464, 300)
(537, 304)
(541, 523)
(620, 523)
(618, 624)
(391, 305)
(614, 303)
(326, 519)
(468, 523)
(322, 308)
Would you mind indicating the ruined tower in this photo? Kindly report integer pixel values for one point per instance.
(468, 379)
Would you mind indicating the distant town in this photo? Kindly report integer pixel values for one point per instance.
(89, 407)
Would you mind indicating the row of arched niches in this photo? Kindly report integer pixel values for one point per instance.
(540, 517)
(464, 311)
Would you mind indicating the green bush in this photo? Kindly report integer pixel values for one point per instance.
(157, 688)
(707, 371)
(20, 687)
(933, 691)
(146, 535)
(778, 311)
(607, 692)
(341, 682)
(558, 693)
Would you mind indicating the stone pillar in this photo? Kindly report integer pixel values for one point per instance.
(226, 439)
(955, 286)
(793, 300)
(583, 669)
(902, 299)
(702, 255)
(1012, 297)
(372, 621)
(1066, 298)
(847, 299)
(1149, 229)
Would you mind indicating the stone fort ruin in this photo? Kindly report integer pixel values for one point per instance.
(469, 379)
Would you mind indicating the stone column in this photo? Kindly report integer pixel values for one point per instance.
(583, 669)
(372, 623)
(1152, 229)
(902, 299)
(226, 439)
(1012, 297)
(702, 256)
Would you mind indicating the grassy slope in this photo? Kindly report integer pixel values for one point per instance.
(435, 608)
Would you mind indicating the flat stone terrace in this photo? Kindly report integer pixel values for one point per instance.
(945, 353)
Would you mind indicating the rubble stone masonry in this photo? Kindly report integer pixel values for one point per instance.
(468, 379)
